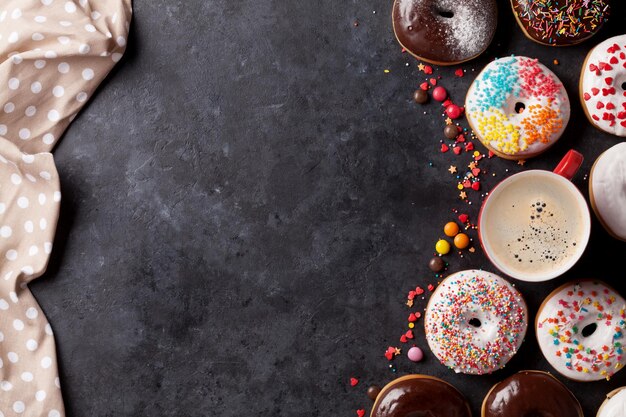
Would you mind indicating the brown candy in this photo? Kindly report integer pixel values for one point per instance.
(373, 391)
(436, 264)
(451, 131)
(420, 96)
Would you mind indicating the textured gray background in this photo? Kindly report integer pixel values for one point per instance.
(247, 201)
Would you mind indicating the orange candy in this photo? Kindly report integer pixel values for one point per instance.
(451, 229)
(461, 241)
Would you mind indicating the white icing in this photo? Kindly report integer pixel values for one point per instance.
(608, 185)
(616, 75)
(560, 325)
(614, 406)
(456, 303)
(495, 93)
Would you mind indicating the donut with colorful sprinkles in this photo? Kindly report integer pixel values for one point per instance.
(475, 322)
(560, 22)
(580, 329)
(603, 86)
(517, 107)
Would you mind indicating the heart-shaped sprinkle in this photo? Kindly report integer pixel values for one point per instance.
(476, 171)
(428, 69)
(469, 147)
(608, 80)
(403, 339)
(360, 413)
(599, 105)
(595, 91)
(353, 381)
(433, 81)
(409, 334)
(457, 150)
(444, 148)
(424, 86)
(431, 287)
(586, 96)
(412, 317)
(467, 184)
(463, 218)
(610, 106)
(419, 291)
(476, 186)
(613, 60)
(459, 72)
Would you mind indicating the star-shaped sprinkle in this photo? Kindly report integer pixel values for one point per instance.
(463, 195)
(521, 162)
(409, 303)
(421, 67)
(452, 169)
(472, 165)
(448, 121)
(397, 352)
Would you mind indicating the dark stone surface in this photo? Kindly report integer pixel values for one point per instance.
(247, 201)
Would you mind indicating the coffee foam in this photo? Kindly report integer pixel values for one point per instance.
(534, 226)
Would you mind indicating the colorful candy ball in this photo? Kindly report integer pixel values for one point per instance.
(461, 241)
(453, 111)
(440, 94)
(442, 247)
(415, 354)
(451, 229)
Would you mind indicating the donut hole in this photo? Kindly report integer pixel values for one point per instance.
(475, 322)
(624, 86)
(445, 13)
(519, 107)
(589, 329)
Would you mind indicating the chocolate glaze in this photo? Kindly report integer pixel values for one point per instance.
(417, 396)
(531, 394)
(565, 22)
(445, 31)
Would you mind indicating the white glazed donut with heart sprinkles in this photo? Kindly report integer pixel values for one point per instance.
(603, 86)
(580, 329)
(475, 322)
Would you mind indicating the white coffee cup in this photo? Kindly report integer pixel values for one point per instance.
(535, 225)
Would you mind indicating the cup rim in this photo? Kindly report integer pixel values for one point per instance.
(583, 207)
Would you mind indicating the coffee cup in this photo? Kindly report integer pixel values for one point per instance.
(535, 225)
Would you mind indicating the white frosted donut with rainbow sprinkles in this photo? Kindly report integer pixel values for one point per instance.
(475, 322)
(517, 107)
(580, 329)
(603, 86)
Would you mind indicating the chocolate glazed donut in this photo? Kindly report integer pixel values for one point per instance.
(420, 396)
(563, 22)
(445, 32)
(531, 394)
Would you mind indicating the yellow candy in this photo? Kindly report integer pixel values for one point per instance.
(442, 247)
(411, 325)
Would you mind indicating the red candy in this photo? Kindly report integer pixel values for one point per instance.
(440, 94)
(353, 382)
(453, 111)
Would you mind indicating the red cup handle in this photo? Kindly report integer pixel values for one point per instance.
(569, 165)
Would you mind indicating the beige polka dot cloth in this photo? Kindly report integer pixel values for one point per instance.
(53, 55)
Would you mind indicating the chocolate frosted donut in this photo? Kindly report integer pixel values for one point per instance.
(444, 32)
(420, 395)
(530, 393)
(560, 22)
